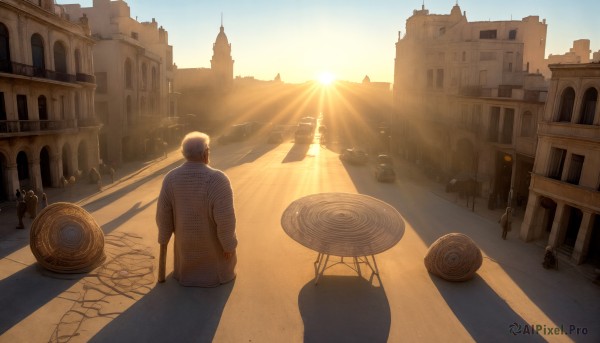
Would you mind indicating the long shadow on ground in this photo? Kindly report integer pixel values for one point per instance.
(26, 291)
(344, 309)
(170, 313)
(486, 316)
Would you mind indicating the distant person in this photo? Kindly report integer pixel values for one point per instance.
(506, 222)
(21, 210)
(43, 202)
(196, 205)
(550, 261)
(31, 202)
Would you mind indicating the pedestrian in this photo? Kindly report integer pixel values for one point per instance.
(43, 202)
(506, 222)
(550, 261)
(19, 196)
(21, 210)
(195, 205)
(31, 202)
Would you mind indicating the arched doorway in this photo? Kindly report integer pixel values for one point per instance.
(66, 154)
(545, 217)
(23, 169)
(45, 167)
(82, 158)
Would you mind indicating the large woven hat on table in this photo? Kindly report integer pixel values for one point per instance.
(343, 224)
(453, 257)
(65, 238)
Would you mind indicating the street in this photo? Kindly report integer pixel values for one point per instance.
(273, 298)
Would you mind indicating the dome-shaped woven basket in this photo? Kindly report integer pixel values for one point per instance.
(453, 257)
(65, 238)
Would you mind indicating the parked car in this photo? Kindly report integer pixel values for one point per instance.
(237, 133)
(385, 173)
(354, 156)
(385, 159)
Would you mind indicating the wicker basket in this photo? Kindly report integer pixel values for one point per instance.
(453, 257)
(65, 238)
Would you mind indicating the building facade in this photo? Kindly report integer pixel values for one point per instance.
(564, 202)
(467, 98)
(47, 124)
(134, 72)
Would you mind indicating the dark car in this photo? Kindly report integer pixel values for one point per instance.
(354, 156)
(385, 159)
(304, 133)
(385, 173)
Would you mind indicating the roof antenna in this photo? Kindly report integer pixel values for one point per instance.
(423, 6)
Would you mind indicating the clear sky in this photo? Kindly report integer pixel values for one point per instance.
(301, 39)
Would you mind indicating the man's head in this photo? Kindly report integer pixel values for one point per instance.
(195, 147)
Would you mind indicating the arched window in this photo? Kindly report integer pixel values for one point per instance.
(38, 58)
(128, 72)
(588, 106)
(42, 108)
(5, 64)
(567, 100)
(60, 58)
(77, 61)
(144, 76)
(77, 104)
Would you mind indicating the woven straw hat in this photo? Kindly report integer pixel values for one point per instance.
(65, 238)
(453, 257)
(343, 224)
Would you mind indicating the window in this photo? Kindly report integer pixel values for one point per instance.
(588, 106)
(494, 124)
(2, 107)
(566, 105)
(129, 110)
(78, 113)
(37, 52)
(575, 169)
(42, 108)
(507, 125)
(154, 79)
(128, 72)
(430, 78)
(5, 65)
(557, 162)
(22, 107)
(77, 61)
(512, 34)
(60, 58)
(439, 80)
(527, 124)
(487, 34)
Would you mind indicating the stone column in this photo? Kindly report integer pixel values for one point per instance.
(12, 179)
(583, 237)
(529, 227)
(35, 175)
(557, 228)
(56, 169)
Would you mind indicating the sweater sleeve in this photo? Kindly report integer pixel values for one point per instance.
(221, 198)
(164, 213)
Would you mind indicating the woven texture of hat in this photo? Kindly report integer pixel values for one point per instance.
(65, 238)
(343, 224)
(453, 257)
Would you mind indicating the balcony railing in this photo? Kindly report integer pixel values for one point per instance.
(32, 71)
(35, 126)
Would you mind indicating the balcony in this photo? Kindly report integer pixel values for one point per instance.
(556, 189)
(10, 128)
(31, 71)
(578, 132)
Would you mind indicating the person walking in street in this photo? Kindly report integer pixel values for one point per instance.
(195, 205)
(506, 222)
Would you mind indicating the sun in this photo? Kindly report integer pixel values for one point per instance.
(326, 78)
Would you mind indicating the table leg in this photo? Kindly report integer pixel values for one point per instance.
(320, 270)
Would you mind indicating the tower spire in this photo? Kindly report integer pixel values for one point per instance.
(221, 19)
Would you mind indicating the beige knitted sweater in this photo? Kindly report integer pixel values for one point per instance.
(196, 204)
